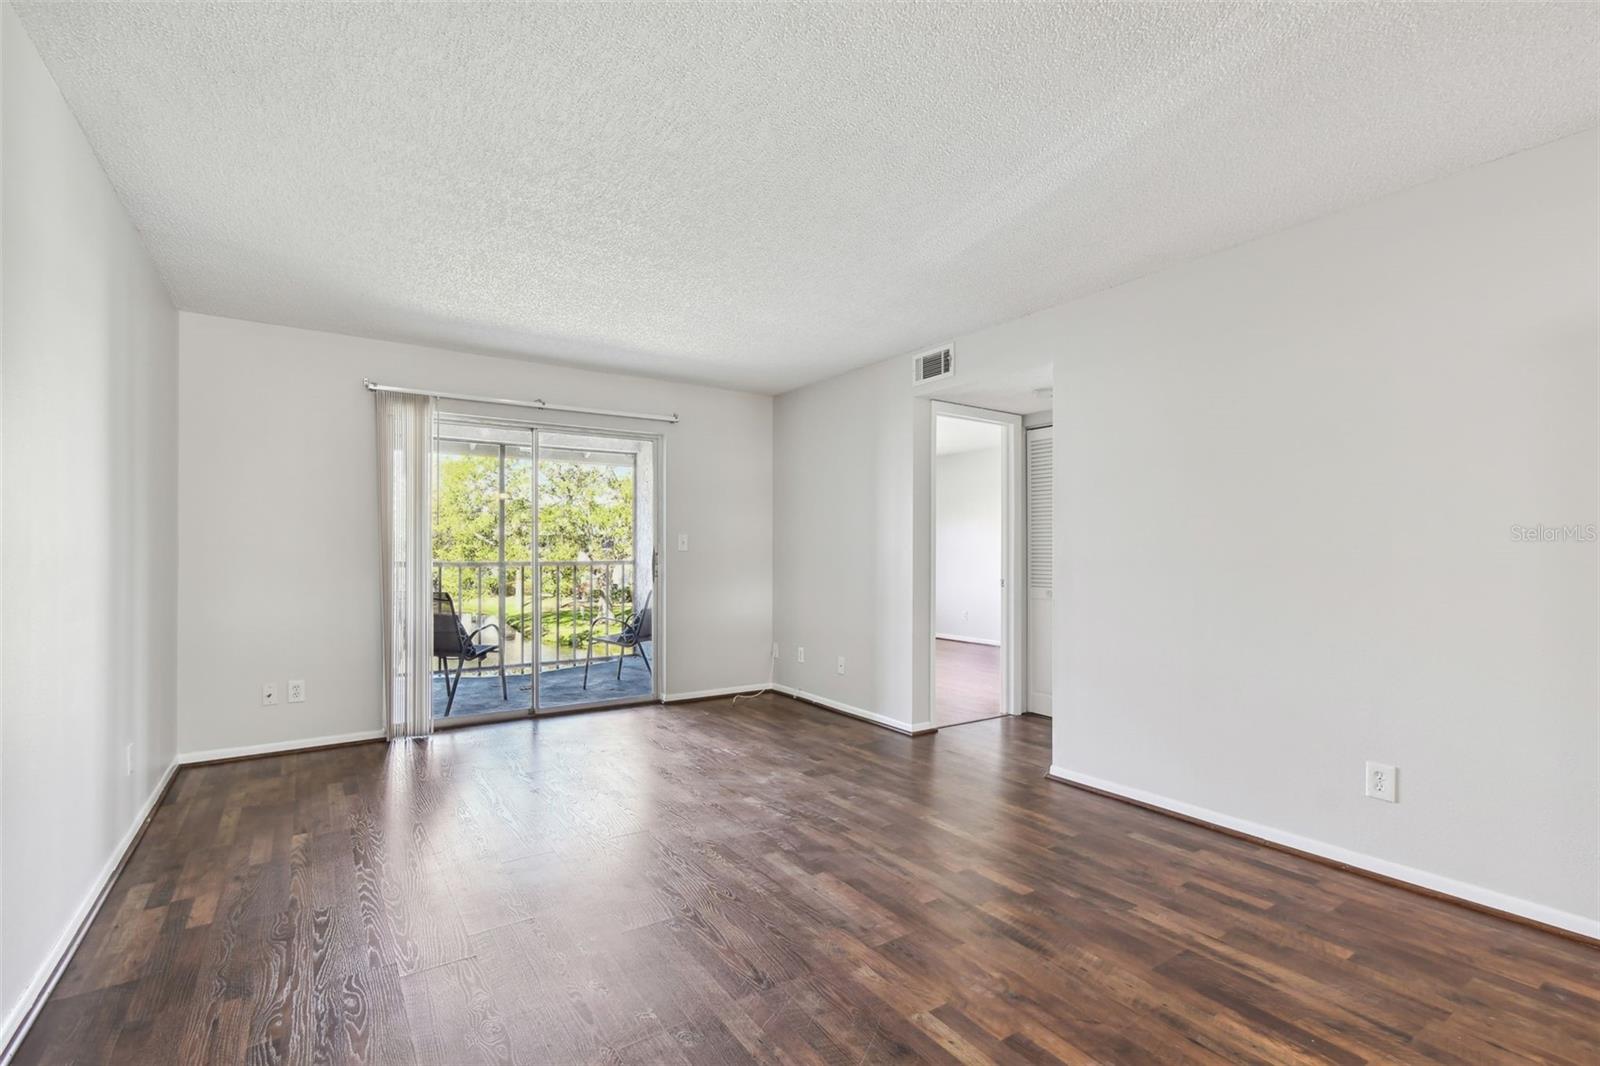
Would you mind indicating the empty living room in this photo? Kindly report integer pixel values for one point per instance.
(799, 533)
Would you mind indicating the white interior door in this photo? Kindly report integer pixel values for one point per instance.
(1041, 565)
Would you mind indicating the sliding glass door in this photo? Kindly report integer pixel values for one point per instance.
(544, 569)
(483, 571)
(596, 568)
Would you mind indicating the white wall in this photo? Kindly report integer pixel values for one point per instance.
(88, 361)
(1287, 477)
(844, 554)
(967, 561)
(278, 522)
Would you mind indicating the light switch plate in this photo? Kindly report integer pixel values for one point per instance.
(269, 694)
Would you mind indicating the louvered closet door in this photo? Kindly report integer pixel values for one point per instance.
(1041, 564)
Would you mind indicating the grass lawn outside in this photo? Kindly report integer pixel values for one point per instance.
(562, 617)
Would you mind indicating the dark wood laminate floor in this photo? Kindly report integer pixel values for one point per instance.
(770, 883)
(968, 682)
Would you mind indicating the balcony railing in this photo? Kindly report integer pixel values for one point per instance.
(545, 611)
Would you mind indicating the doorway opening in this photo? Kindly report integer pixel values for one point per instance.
(544, 569)
(973, 464)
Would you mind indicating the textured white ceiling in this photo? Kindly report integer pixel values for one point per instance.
(954, 435)
(759, 196)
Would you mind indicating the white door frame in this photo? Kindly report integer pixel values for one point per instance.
(1013, 551)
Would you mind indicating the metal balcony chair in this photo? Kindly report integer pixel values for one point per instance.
(635, 634)
(452, 641)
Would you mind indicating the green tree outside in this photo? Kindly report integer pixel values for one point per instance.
(585, 514)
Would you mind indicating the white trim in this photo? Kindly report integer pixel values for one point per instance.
(1487, 897)
(1039, 703)
(855, 712)
(26, 1010)
(712, 693)
(966, 640)
(189, 758)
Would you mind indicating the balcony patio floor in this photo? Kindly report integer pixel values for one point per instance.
(563, 687)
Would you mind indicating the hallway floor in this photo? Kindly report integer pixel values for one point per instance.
(968, 680)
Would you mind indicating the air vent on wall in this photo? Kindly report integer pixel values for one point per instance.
(935, 364)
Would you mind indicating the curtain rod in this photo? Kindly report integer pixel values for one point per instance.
(537, 405)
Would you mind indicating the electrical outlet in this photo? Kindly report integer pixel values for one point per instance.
(777, 653)
(1383, 782)
(800, 654)
(130, 760)
(269, 694)
(841, 664)
(297, 692)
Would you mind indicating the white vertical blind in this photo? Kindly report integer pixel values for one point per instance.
(1041, 512)
(405, 511)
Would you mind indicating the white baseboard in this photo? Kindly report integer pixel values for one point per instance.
(1484, 897)
(1039, 703)
(713, 693)
(21, 1015)
(855, 712)
(278, 747)
(967, 640)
